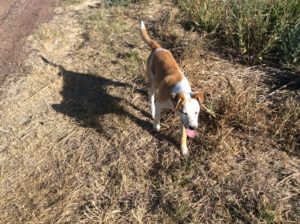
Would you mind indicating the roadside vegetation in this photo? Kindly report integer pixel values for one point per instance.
(255, 29)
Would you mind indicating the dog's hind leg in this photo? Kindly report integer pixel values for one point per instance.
(156, 123)
(151, 95)
(151, 86)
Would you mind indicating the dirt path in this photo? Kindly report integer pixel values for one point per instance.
(18, 18)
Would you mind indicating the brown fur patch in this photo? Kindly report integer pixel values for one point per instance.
(178, 100)
(164, 73)
(200, 97)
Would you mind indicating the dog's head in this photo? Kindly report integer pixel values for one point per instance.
(187, 107)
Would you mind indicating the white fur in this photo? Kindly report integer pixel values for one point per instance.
(157, 114)
(151, 94)
(143, 25)
(182, 86)
(192, 109)
(160, 49)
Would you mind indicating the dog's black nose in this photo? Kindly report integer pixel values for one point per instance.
(191, 128)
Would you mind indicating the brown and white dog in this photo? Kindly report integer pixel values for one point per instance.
(170, 89)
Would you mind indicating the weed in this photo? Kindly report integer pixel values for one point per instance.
(285, 120)
(255, 29)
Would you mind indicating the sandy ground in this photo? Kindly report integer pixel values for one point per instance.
(18, 18)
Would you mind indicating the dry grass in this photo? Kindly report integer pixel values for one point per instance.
(77, 144)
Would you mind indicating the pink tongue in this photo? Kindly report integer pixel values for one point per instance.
(191, 133)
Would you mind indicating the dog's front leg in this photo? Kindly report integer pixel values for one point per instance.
(183, 146)
(157, 115)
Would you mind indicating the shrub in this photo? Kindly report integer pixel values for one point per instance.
(256, 29)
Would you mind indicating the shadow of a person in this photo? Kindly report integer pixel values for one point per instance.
(85, 98)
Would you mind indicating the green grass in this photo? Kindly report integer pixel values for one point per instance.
(256, 29)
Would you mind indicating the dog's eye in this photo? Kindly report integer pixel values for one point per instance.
(196, 112)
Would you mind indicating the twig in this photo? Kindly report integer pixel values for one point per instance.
(288, 177)
(209, 111)
(292, 82)
(4, 131)
(36, 93)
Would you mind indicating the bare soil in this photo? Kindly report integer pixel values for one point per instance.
(18, 18)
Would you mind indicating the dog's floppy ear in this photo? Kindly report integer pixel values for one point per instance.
(177, 100)
(199, 96)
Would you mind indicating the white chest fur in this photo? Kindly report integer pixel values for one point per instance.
(182, 86)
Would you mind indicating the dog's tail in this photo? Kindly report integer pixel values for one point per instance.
(147, 39)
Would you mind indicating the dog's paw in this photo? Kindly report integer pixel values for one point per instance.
(184, 151)
(153, 115)
(156, 127)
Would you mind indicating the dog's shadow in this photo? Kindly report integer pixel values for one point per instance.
(86, 99)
